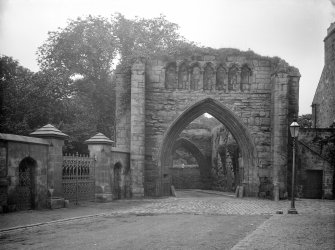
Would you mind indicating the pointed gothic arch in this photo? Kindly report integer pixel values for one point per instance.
(246, 73)
(183, 76)
(170, 76)
(26, 188)
(198, 155)
(209, 76)
(195, 71)
(233, 123)
(221, 77)
(233, 77)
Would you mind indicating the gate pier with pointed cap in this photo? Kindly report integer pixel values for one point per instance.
(100, 148)
(55, 160)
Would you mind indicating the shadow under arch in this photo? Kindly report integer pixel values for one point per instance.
(233, 123)
(197, 154)
(117, 186)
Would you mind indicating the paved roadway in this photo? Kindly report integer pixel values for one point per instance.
(193, 220)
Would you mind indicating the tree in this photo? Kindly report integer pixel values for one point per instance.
(82, 56)
(29, 100)
(305, 121)
(84, 52)
(85, 46)
(14, 79)
(142, 37)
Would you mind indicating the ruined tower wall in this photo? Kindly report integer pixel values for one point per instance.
(122, 111)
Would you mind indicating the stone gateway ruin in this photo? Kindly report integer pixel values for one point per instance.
(255, 98)
(218, 121)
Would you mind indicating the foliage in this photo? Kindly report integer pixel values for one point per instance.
(142, 37)
(13, 88)
(84, 50)
(328, 149)
(29, 100)
(85, 47)
(305, 121)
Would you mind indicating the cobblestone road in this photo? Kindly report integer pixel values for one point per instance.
(312, 228)
(210, 203)
(187, 202)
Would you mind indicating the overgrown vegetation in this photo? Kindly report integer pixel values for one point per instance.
(305, 121)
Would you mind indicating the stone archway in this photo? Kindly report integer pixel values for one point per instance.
(198, 155)
(256, 105)
(26, 184)
(234, 124)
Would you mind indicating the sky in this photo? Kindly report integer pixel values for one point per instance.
(290, 29)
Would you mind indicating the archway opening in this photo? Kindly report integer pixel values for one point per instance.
(189, 166)
(117, 181)
(26, 185)
(242, 153)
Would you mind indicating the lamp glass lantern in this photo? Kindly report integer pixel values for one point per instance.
(294, 129)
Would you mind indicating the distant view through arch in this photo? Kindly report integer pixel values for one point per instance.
(228, 119)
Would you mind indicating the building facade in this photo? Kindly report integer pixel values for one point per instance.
(323, 106)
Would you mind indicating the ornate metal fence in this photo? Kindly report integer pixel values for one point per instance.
(78, 178)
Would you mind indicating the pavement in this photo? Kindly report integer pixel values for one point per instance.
(315, 216)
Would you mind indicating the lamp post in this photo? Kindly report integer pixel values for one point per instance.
(294, 129)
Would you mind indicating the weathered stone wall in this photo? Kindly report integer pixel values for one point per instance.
(107, 160)
(186, 177)
(137, 127)
(16, 153)
(311, 156)
(103, 171)
(254, 92)
(55, 163)
(30, 167)
(123, 159)
(165, 105)
(122, 111)
(323, 106)
(3, 175)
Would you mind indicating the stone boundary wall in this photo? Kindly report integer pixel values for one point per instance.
(14, 149)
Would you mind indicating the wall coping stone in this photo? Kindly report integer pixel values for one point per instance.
(99, 138)
(24, 139)
(49, 131)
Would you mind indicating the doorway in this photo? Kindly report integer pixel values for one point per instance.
(313, 185)
(26, 185)
(117, 181)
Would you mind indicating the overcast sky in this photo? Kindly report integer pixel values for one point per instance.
(291, 29)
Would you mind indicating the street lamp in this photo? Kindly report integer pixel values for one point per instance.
(294, 129)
